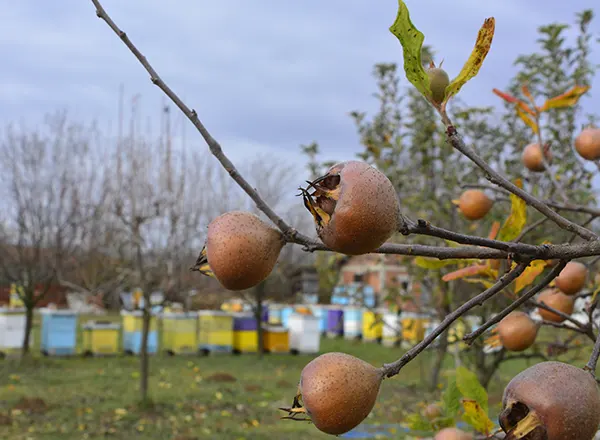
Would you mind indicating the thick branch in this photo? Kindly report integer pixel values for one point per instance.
(457, 142)
(394, 368)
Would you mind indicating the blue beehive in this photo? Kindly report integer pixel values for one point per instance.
(59, 332)
(132, 332)
(320, 311)
(286, 312)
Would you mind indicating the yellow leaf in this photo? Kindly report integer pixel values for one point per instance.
(516, 220)
(476, 417)
(595, 294)
(486, 283)
(455, 202)
(528, 276)
(567, 99)
(473, 64)
(434, 263)
(527, 119)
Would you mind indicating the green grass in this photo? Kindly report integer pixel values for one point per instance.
(97, 398)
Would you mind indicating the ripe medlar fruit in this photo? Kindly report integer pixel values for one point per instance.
(355, 208)
(337, 392)
(587, 143)
(453, 434)
(551, 401)
(240, 251)
(432, 411)
(474, 204)
(438, 81)
(517, 331)
(558, 301)
(532, 157)
(572, 278)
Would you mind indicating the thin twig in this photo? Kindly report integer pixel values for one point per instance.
(394, 368)
(469, 338)
(526, 230)
(591, 365)
(562, 325)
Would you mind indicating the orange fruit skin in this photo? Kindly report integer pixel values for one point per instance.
(557, 300)
(474, 204)
(517, 331)
(532, 158)
(572, 278)
(587, 143)
(453, 434)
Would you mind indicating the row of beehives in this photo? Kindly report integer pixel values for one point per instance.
(295, 329)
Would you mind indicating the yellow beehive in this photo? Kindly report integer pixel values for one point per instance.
(413, 329)
(276, 339)
(245, 338)
(215, 331)
(372, 326)
(133, 322)
(180, 332)
(101, 338)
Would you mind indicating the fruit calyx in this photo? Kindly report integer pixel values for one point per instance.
(321, 203)
(518, 423)
(202, 265)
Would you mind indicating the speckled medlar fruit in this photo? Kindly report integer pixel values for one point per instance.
(532, 157)
(474, 204)
(438, 81)
(240, 251)
(517, 331)
(572, 278)
(551, 401)
(587, 143)
(432, 411)
(337, 392)
(453, 434)
(558, 301)
(355, 208)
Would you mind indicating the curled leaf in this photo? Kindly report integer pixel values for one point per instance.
(567, 99)
(527, 119)
(505, 96)
(475, 61)
(411, 40)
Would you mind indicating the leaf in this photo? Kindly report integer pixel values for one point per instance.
(476, 417)
(411, 40)
(473, 64)
(486, 283)
(470, 388)
(505, 96)
(434, 263)
(595, 294)
(494, 230)
(527, 93)
(529, 275)
(516, 220)
(567, 99)
(451, 398)
(525, 117)
(416, 422)
(465, 272)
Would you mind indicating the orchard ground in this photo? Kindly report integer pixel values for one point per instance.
(224, 397)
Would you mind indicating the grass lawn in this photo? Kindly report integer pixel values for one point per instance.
(221, 396)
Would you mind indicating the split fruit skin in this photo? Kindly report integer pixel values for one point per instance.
(587, 143)
(339, 391)
(474, 204)
(355, 208)
(572, 278)
(241, 249)
(517, 331)
(551, 401)
(557, 300)
(438, 81)
(532, 158)
(453, 434)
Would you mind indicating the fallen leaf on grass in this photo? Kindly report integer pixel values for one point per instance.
(221, 377)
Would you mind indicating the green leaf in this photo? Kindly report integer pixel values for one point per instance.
(516, 220)
(470, 388)
(476, 417)
(451, 398)
(434, 263)
(416, 422)
(411, 40)
(473, 64)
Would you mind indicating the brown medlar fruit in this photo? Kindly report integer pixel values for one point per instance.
(558, 301)
(532, 157)
(474, 204)
(337, 392)
(432, 411)
(453, 434)
(355, 207)
(517, 331)
(551, 401)
(572, 278)
(240, 251)
(587, 143)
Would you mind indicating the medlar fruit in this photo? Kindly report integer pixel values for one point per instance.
(240, 251)
(551, 401)
(474, 204)
(453, 434)
(337, 392)
(532, 157)
(572, 278)
(587, 143)
(517, 331)
(355, 207)
(438, 81)
(557, 300)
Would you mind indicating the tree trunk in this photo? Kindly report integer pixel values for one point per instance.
(28, 326)
(144, 361)
(258, 311)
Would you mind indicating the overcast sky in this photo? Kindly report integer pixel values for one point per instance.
(264, 75)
